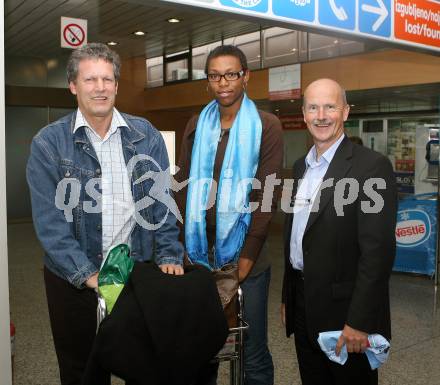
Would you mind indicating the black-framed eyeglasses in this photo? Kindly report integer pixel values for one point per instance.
(229, 76)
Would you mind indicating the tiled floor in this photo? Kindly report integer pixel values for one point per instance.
(414, 359)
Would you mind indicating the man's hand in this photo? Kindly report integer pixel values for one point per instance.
(244, 267)
(92, 282)
(355, 340)
(169, 268)
(283, 314)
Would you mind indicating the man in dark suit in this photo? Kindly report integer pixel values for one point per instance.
(339, 244)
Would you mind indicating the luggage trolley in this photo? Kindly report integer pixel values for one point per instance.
(232, 351)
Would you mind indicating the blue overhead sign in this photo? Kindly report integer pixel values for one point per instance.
(408, 22)
(338, 14)
(250, 5)
(295, 9)
(375, 17)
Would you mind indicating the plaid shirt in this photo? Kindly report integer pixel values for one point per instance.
(117, 201)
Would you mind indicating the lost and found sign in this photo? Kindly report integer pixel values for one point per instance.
(408, 22)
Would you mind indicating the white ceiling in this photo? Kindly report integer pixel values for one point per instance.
(32, 27)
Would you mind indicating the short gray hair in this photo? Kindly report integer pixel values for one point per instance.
(344, 96)
(92, 51)
(341, 89)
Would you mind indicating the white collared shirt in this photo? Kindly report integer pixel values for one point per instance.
(117, 201)
(305, 196)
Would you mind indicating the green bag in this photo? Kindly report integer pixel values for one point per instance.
(114, 274)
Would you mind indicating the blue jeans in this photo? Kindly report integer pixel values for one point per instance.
(258, 365)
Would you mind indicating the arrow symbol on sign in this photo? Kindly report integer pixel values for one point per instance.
(382, 11)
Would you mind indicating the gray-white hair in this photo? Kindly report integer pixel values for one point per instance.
(92, 51)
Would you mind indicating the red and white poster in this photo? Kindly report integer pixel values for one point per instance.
(285, 82)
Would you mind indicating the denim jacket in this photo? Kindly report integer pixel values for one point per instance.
(69, 223)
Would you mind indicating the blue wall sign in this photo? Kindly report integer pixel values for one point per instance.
(338, 13)
(375, 17)
(295, 9)
(371, 19)
(416, 234)
(249, 5)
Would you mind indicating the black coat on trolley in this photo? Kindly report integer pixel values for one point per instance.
(162, 330)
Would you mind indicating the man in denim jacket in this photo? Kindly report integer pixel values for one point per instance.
(97, 178)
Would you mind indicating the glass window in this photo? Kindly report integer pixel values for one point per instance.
(280, 46)
(250, 45)
(155, 72)
(177, 70)
(402, 151)
(352, 127)
(199, 56)
(22, 123)
(323, 47)
(176, 66)
(374, 135)
(303, 46)
(348, 47)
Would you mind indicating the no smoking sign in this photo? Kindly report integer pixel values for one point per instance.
(73, 32)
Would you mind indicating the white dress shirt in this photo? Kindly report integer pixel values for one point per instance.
(118, 207)
(306, 193)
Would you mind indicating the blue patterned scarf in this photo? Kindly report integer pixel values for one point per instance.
(239, 167)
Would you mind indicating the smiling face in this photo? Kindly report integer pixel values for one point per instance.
(325, 112)
(95, 88)
(227, 93)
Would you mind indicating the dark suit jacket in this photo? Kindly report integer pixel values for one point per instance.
(347, 259)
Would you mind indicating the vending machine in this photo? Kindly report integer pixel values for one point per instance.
(417, 217)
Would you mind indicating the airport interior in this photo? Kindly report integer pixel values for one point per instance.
(393, 91)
